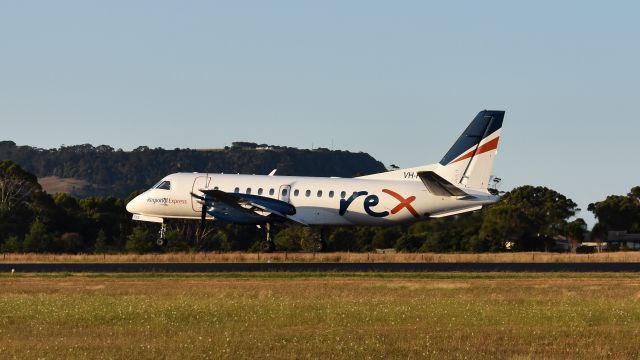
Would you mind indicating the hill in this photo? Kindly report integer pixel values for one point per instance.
(87, 170)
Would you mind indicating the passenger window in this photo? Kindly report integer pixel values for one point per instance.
(248, 190)
(164, 185)
(284, 192)
(271, 192)
(296, 192)
(331, 193)
(343, 194)
(307, 193)
(259, 191)
(319, 193)
(236, 190)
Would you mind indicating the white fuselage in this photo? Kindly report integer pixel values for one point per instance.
(318, 201)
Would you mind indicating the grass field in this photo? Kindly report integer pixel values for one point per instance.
(342, 316)
(520, 257)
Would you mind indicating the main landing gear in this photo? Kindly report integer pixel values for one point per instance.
(163, 230)
(267, 245)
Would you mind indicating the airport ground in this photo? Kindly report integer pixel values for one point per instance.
(320, 315)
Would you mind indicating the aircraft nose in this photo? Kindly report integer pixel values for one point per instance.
(132, 205)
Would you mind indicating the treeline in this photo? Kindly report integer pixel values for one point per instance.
(114, 172)
(526, 219)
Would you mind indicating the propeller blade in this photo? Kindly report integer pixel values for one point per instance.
(203, 213)
(203, 218)
(198, 197)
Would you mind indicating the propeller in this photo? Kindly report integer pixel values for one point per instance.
(203, 213)
(203, 218)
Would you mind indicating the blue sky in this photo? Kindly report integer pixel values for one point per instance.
(399, 80)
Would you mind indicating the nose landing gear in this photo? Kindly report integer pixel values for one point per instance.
(161, 240)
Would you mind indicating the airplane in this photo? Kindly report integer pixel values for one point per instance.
(457, 184)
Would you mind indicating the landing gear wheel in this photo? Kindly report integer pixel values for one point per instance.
(267, 246)
(163, 230)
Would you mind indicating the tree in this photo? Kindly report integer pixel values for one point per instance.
(16, 185)
(11, 245)
(139, 241)
(239, 237)
(17, 189)
(450, 234)
(500, 229)
(619, 213)
(599, 234)
(289, 238)
(108, 214)
(386, 238)
(527, 216)
(310, 238)
(38, 238)
(409, 242)
(70, 242)
(176, 241)
(215, 240)
(575, 232)
(100, 246)
(342, 239)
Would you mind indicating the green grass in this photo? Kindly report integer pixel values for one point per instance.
(282, 316)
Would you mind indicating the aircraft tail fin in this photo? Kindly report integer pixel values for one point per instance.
(469, 162)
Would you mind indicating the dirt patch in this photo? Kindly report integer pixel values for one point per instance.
(55, 184)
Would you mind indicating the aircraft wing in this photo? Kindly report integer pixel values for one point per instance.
(245, 208)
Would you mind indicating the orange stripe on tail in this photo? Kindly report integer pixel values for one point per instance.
(491, 145)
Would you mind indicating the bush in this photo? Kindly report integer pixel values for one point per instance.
(341, 239)
(409, 242)
(176, 242)
(101, 246)
(385, 238)
(11, 245)
(139, 241)
(70, 242)
(38, 238)
(289, 238)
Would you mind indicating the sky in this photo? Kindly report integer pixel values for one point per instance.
(399, 80)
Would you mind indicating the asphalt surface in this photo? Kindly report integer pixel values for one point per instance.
(314, 267)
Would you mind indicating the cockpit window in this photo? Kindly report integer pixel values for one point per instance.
(164, 185)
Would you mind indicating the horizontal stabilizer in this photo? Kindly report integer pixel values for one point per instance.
(438, 186)
(455, 212)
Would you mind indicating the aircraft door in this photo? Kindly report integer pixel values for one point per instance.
(201, 182)
(285, 193)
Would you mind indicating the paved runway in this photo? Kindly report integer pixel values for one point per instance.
(315, 267)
